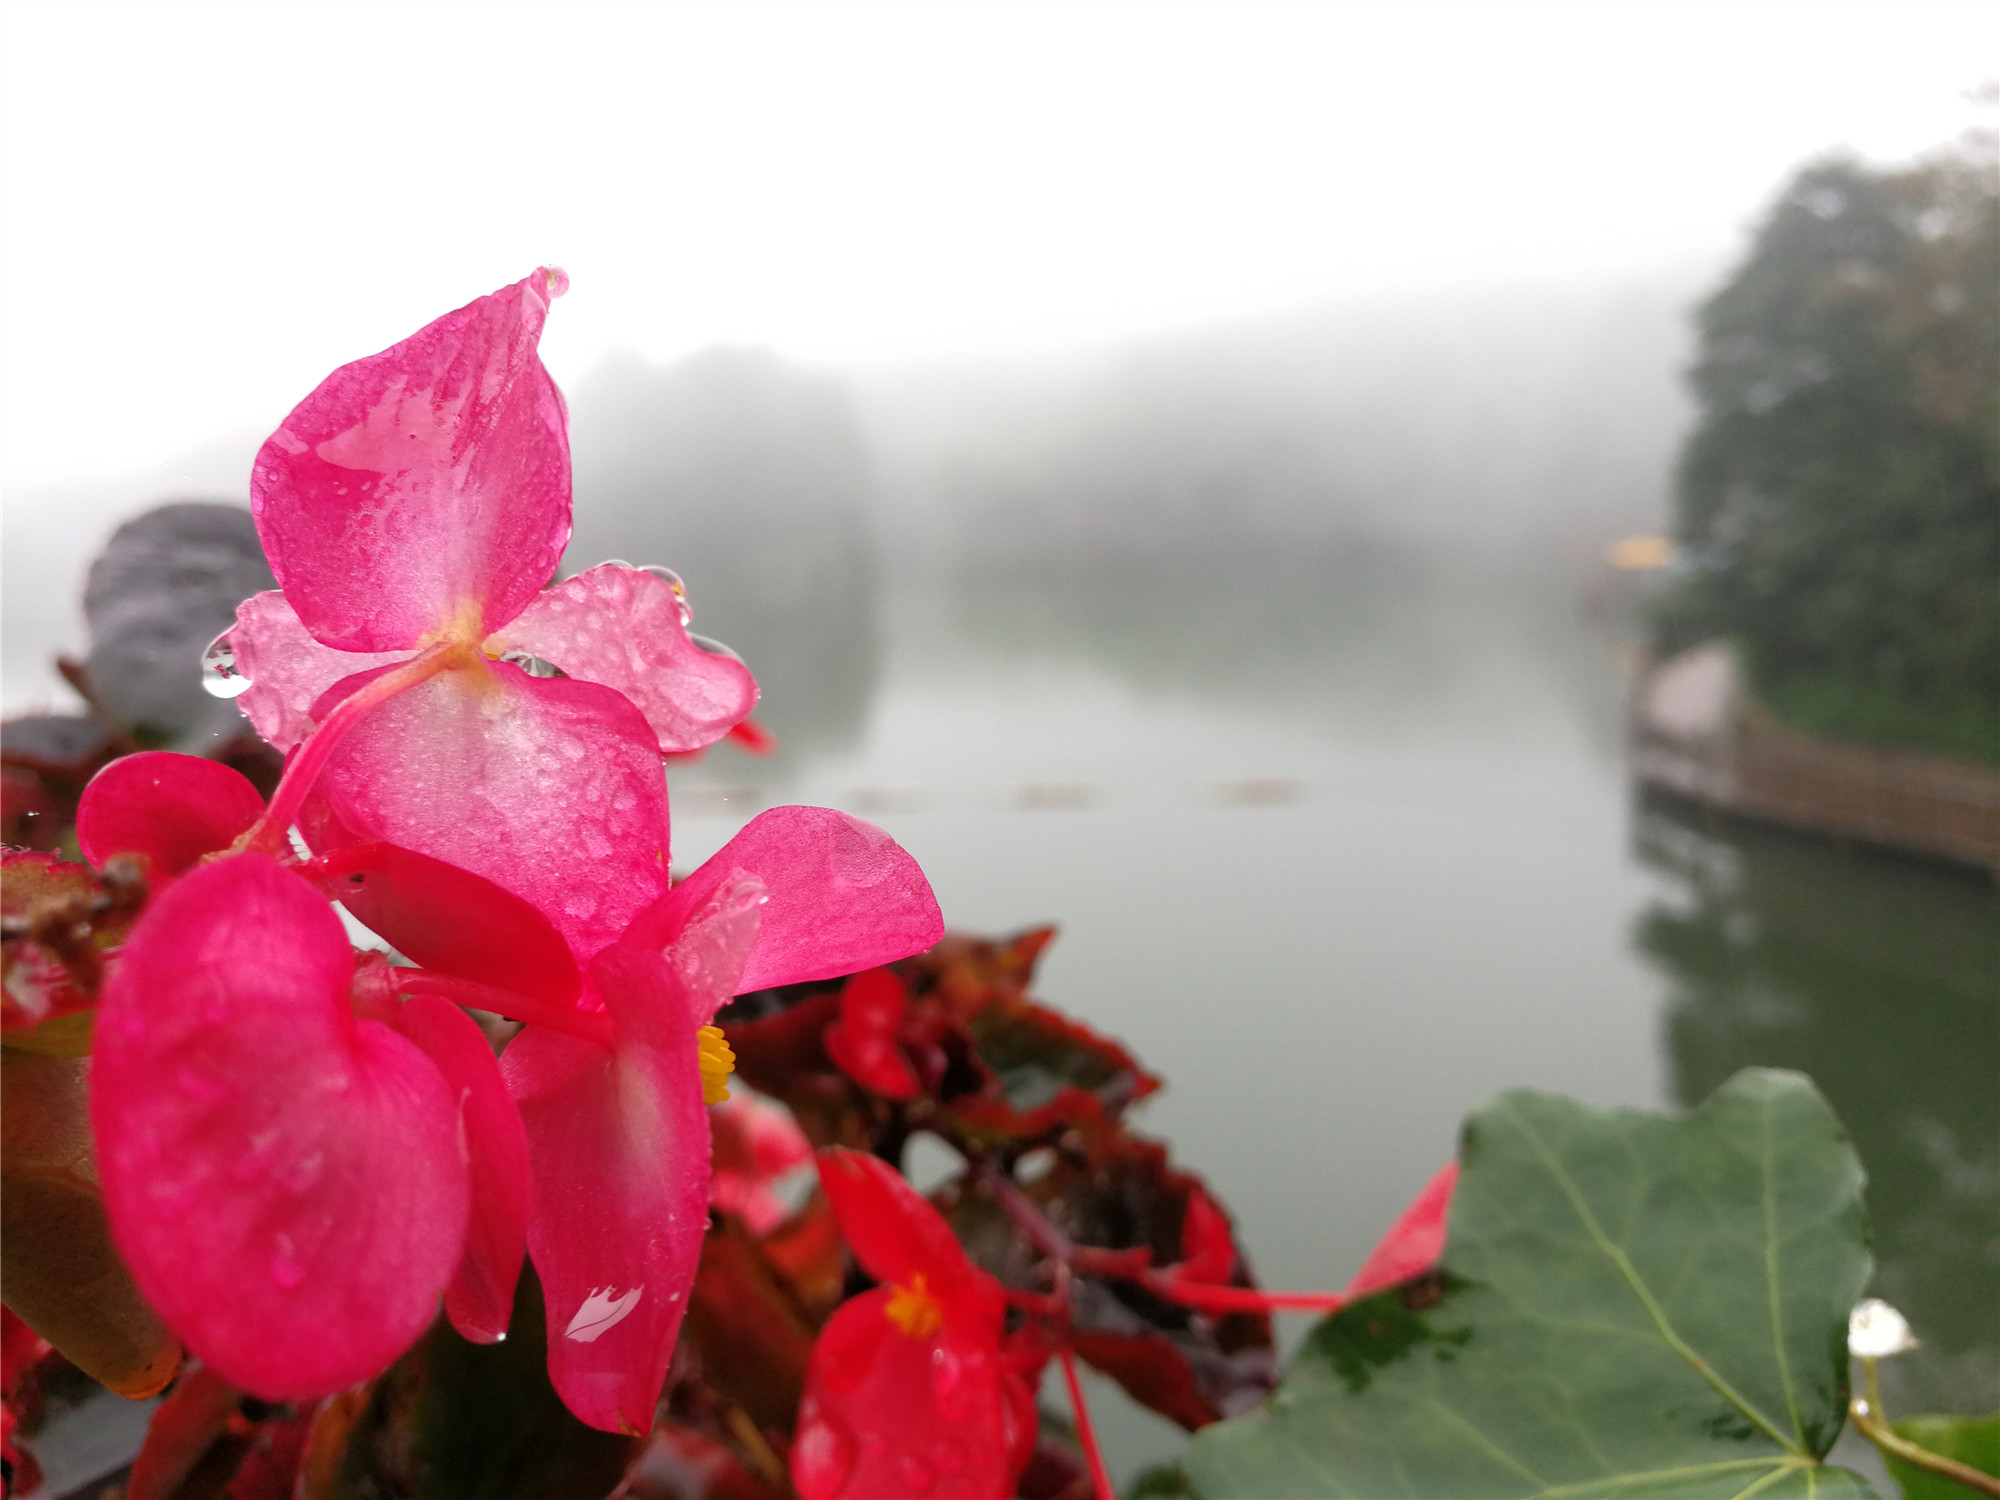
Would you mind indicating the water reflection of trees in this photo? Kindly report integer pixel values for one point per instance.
(1880, 978)
(750, 479)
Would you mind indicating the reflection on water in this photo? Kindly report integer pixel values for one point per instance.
(1880, 977)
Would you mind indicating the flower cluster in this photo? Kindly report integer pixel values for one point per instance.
(303, 1149)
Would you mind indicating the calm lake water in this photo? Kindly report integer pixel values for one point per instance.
(1338, 883)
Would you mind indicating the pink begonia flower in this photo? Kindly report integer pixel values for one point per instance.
(294, 1185)
(618, 1138)
(413, 507)
(610, 1089)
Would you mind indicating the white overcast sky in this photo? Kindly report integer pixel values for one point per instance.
(205, 207)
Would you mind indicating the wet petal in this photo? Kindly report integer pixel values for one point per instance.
(619, 1151)
(548, 787)
(898, 1236)
(449, 919)
(173, 809)
(287, 669)
(1414, 1242)
(885, 1413)
(844, 896)
(717, 941)
(481, 1295)
(286, 1182)
(622, 627)
(422, 482)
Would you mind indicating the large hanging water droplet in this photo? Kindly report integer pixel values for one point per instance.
(713, 647)
(534, 666)
(558, 280)
(220, 676)
(673, 581)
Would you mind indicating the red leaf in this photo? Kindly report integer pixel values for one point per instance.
(1414, 1242)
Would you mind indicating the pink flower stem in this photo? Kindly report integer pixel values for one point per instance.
(1100, 1478)
(267, 835)
(1237, 1299)
(591, 1025)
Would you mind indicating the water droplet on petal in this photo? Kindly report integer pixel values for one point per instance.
(673, 581)
(534, 666)
(915, 1473)
(712, 647)
(220, 677)
(558, 280)
(285, 1267)
(304, 1172)
(500, 1338)
(822, 1452)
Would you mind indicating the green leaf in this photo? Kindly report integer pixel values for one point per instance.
(1974, 1441)
(452, 1420)
(1628, 1304)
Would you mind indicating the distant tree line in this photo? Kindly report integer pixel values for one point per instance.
(1838, 505)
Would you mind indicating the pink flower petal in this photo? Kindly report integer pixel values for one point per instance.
(286, 1182)
(449, 919)
(898, 1235)
(709, 955)
(548, 787)
(844, 896)
(423, 487)
(288, 671)
(173, 809)
(1414, 1242)
(480, 1298)
(622, 627)
(619, 1150)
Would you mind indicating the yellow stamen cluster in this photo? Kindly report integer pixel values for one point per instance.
(913, 1309)
(717, 1063)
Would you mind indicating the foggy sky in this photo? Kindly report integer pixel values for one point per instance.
(208, 206)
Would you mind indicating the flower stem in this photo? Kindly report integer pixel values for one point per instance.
(1238, 1299)
(1868, 1416)
(590, 1025)
(1100, 1478)
(267, 834)
(1132, 1265)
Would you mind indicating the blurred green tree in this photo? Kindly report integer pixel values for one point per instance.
(1838, 504)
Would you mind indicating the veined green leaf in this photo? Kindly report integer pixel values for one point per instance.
(1628, 1305)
